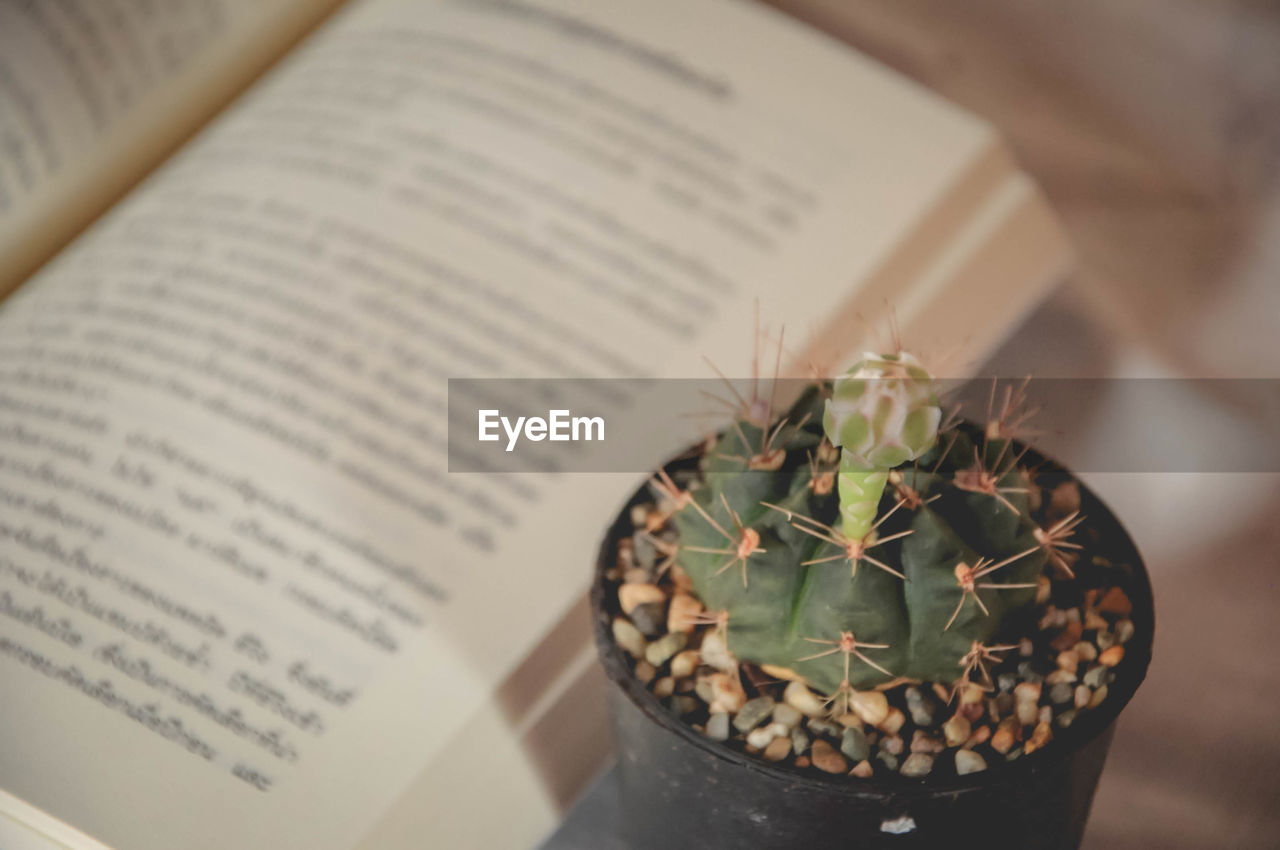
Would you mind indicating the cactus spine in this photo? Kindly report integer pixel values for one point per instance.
(908, 568)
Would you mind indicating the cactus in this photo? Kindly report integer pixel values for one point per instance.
(909, 568)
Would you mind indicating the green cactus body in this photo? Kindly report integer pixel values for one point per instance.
(813, 577)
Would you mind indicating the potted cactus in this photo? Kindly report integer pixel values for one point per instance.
(858, 623)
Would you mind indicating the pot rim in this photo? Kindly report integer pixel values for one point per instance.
(1087, 726)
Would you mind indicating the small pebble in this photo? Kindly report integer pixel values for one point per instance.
(1045, 715)
(1061, 693)
(639, 513)
(1104, 640)
(644, 672)
(778, 749)
(803, 761)
(862, 770)
(1005, 736)
(718, 727)
(803, 700)
(826, 759)
(971, 694)
(967, 761)
(893, 722)
(799, 741)
(1124, 630)
(1113, 656)
(920, 706)
(682, 612)
(1013, 754)
(956, 730)
(823, 726)
(716, 653)
(871, 706)
(1058, 677)
(788, 715)
(1086, 651)
(684, 663)
(892, 744)
(1004, 704)
(726, 693)
(1068, 637)
(917, 765)
(636, 575)
(889, 760)
(1082, 696)
(854, 744)
(1115, 602)
(763, 737)
(1026, 648)
(634, 593)
(650, 618)
(785, 674)
(1066, 718)
(1068, 660)
(1006, 681)
(1027, 673)
(979, 737)
(660, 651)
(923, 742)
(1041, 736)
(1096, 677)
(1098, 696)
(642, 548)
(627, 636)
(1027, 698)
(664, 687)
(752, 713)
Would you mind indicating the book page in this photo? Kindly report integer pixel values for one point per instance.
(244, 603)
(93, 93)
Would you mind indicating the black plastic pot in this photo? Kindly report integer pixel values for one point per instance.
(680, 789)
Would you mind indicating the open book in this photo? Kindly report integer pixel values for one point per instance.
(243, 604)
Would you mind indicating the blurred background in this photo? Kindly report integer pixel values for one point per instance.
(1154, 128)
